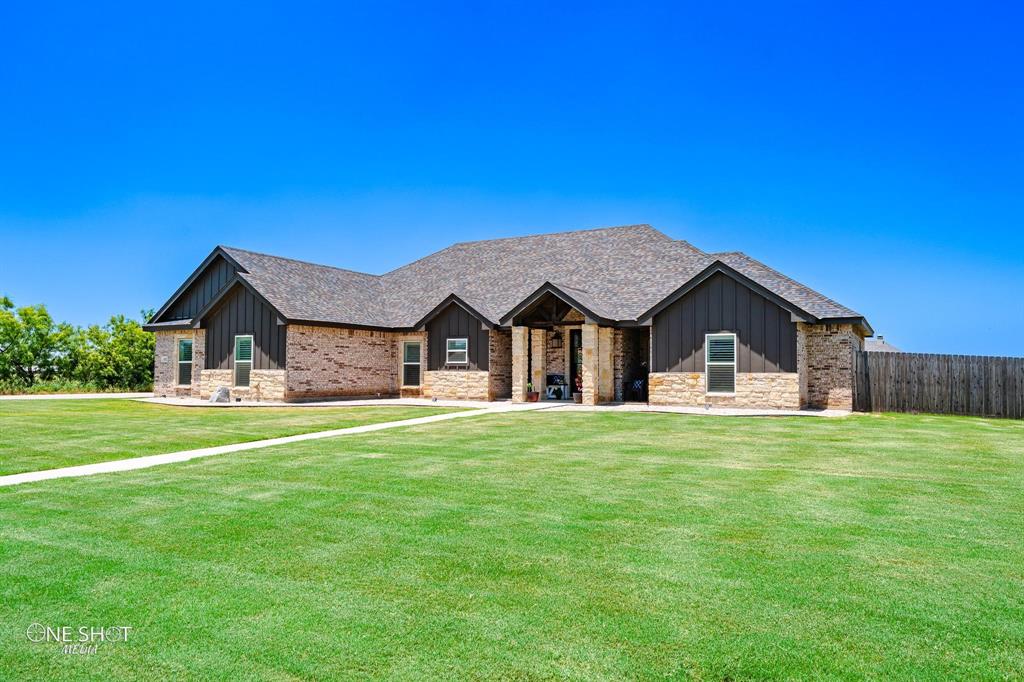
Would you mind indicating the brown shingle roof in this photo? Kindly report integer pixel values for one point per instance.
(620, 271)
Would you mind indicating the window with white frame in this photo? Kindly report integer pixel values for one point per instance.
(720, 359)
(184, 362)
(411, 363)
(243, 360)
(457, 352)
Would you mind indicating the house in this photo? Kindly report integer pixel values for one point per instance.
(622, 312)
(878, 344)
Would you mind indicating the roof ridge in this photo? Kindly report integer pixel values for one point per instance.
(296, 260)
(565, 232)
(530, 236)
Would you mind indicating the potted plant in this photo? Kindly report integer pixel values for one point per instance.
(532, 396)
(577, 395)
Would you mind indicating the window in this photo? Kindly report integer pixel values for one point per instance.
(458, 352)
(243, 360)
(184, 362)
(721, 363)
(411, 364)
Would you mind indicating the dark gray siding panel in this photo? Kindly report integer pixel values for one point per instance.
(765, 333)
(455, 322)
(202, 291)
(240, 312)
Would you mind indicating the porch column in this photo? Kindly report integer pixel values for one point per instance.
(520, 363)
(605, 368)
(538, 360)
(590, 371)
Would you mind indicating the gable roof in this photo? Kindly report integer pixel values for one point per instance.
(617, 273)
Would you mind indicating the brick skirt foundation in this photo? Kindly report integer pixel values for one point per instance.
(457, 385)
(753, 390)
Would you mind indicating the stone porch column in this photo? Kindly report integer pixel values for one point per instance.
(605, 368)
(520, 360)
(590, 370)
(538, 360)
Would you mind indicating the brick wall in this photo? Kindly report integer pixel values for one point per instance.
(165, 363)
(829, 352)
(328, 361)
(618, 363)
(754, 390)
(555, 352)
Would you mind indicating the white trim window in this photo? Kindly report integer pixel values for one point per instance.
(184, 362)
(411, 354)
(243, 359)
(457, 352)
(720, 361)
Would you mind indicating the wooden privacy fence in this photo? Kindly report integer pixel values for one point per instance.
(940, 384)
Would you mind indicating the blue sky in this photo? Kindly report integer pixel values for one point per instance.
(874, 153)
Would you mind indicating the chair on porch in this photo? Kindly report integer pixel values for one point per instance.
(637, 390)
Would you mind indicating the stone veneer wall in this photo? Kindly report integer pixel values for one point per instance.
(520, 363)
(499, 363)
(756, 390)
(329, 361)
(264, 384)
(829, 352)
(456, 384)
(165, 363)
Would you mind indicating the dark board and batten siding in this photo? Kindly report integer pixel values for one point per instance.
(455, 323)
(243, 313)
(939, 384)
(202, 291)
(766, 335)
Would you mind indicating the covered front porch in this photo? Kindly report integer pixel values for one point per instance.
(561, 347)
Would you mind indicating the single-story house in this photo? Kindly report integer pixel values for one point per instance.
(878, 344)
(621, 313)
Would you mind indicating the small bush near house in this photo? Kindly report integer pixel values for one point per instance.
(38, 355)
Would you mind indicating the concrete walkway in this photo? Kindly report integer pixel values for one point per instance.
(186, 455)
(77, 396)
(339, 402)
(565, 406)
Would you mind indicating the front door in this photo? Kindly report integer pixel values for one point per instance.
(575, 356)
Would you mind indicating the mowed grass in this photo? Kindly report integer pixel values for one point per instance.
(47, 434)
(540, 546)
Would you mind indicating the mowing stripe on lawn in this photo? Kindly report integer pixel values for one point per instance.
(185, 455)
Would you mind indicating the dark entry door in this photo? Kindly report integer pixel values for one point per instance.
(575, 356)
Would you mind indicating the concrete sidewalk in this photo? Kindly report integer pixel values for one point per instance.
(186, 455)
(505, 405)
(78, 396)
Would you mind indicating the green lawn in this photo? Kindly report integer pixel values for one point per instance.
(537, 546)
(46, 434)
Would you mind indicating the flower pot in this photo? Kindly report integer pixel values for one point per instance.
(532, 396)
(577, 397)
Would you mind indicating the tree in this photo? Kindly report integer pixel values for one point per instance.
(116, 355)
(31, 345)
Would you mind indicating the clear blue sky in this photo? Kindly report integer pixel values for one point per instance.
(874, 153)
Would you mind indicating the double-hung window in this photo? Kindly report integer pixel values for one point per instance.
(243, 360)
(184, 362)
(721, 363)
(411, 363)
(457, 352)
